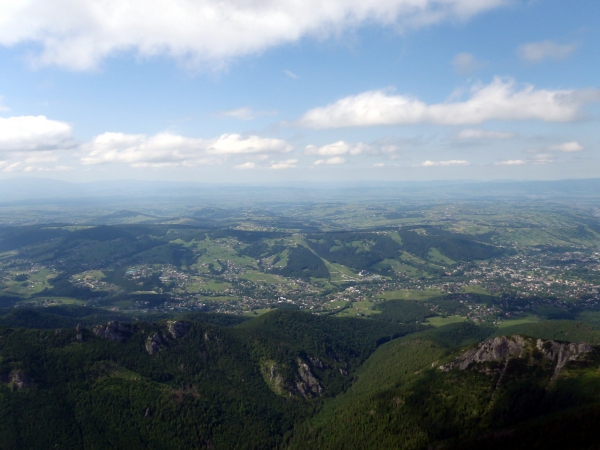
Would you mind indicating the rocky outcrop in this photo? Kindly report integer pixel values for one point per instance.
(114, 331)
(561, 353)
(153, 344)
(20, 380)
(178, 329)
(500, 348)
(504, 348)
(308, 384)
(271, 374)
(302, 381)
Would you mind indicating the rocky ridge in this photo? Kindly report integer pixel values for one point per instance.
(505, 348)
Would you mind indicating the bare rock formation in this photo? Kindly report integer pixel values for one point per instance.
(308, 384)
(561, 353)
(178, 329)
(500, 348)
(20, 380)
(504, 348)
(114, 331)
(153, 344)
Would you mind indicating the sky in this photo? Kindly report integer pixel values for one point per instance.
(253, 91)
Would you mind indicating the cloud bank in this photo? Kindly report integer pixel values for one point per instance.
(499, 100)
(80, 34)
(170, 150)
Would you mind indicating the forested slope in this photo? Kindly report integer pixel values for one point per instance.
(176, 384)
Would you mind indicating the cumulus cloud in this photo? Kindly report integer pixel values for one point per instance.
(330, 161)
(34, 133)
(378, 148)
(539, 51)
(169, 150)
(567, 147)
(337, 148)
(466, 64)
(79, 34)
(510, 162)
(9, 166)
(499, 100)
(246, 166)
(48, 169)
(245, 113)
(280, 165)
(453, 162)
(542, 158)
(483, 134)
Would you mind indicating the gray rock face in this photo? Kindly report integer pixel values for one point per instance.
(561, 353)
(308, 384)
(178, 329)
(504, 348)
(153, 344)
(114, 331)
(275, 380)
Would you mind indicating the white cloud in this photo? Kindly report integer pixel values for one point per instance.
(567, 147)
(330, 161)
(34, 133)
(291, 74)
(542, 158)
(246, 166)
(466, 64)
(378, 165)
(337, 148)
(169, 150)
(79, 34)
(41, 157)
(9, 166)
(48, 169)
(539, 51)
(453, 162)
(510, 162)
(245, 113)
(499, 100)
(483, 134)
(287, 164)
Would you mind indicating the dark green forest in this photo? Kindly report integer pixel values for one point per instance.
(74, 379)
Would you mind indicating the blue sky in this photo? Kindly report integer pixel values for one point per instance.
(256, 91)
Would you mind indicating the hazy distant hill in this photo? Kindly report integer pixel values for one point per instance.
(22, 189)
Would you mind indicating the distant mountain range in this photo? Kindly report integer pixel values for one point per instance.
(32, 190)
